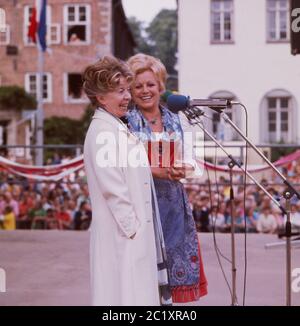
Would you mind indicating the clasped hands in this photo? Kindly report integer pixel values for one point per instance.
(177, 172)
(174, 172)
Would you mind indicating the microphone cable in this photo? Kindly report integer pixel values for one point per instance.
(218, 205)
(217, 249)
(245, 217)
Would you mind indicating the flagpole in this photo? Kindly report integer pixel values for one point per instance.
(41, 45)
(40, 109)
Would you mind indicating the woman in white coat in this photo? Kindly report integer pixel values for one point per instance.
(123, 250)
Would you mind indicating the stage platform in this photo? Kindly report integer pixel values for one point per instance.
(52, 268)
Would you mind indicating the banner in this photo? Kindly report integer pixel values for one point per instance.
(59, 171)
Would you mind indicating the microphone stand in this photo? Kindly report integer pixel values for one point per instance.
(287, 194)
(194, 118)
(234, 301)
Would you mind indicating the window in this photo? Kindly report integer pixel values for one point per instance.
(278, 20)
(5, 35)
(217, 126)
(222, 21)
(31, 85)
(54, 34)
(77, 24)
(53, 30)
(278, 121)
(73, 89)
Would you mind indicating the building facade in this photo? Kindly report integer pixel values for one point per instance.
(240, 49)
(78, 33)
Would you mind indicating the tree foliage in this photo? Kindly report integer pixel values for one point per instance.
(15, 98)
(159, 39)
(66, 131)
(162, 33)
(138, 31)
(63, 130)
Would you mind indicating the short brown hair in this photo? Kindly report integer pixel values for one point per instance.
(104, 76)
(141, 62)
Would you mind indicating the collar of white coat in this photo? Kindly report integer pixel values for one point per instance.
(102, 114)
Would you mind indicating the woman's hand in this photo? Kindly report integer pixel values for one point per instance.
(174, 173)
(161, 173)
(180, 172)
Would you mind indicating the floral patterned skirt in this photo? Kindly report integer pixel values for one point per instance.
(191, 293)
(185, 266)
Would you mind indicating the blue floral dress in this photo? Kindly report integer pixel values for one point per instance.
(179, 230)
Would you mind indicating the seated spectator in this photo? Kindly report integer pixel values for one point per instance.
(251, 218)
(51, 220)
(295, 218)
(83, 217)
(8, 200)
(239, 224)
(279, 218)
(216, 219)
(8, 219)
(26, 204)
(63, 218)
(266, 222)
(38, 216)
(83, 197)
(201, 213)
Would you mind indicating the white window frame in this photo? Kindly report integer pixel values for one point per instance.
(222, 23)
(292, 117)
(57, 34)
(7, 36)
(277, 22)
(49, 27)
(77, 22)
(278, 110)
(68, 99)
(49, 85)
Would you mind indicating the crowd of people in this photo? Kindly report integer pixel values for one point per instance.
(255, 212)
(65, 205)
(26, 204)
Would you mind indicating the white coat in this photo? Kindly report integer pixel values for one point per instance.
(123, 270)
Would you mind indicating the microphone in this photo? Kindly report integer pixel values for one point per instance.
(178, 103)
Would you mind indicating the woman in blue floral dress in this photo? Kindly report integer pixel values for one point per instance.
(153, 122)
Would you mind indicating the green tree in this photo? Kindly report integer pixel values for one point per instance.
(62, 130)
(162, 33)
(66, 131)
(15, 98)
(138, 31)
(160, 40)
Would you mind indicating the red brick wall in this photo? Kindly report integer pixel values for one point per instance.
(63, 59)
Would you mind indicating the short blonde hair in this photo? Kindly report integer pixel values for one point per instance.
(104, 76)
(141, 62)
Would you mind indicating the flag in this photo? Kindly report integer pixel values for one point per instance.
(32, 26)
(42, 29)
(37, 27)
